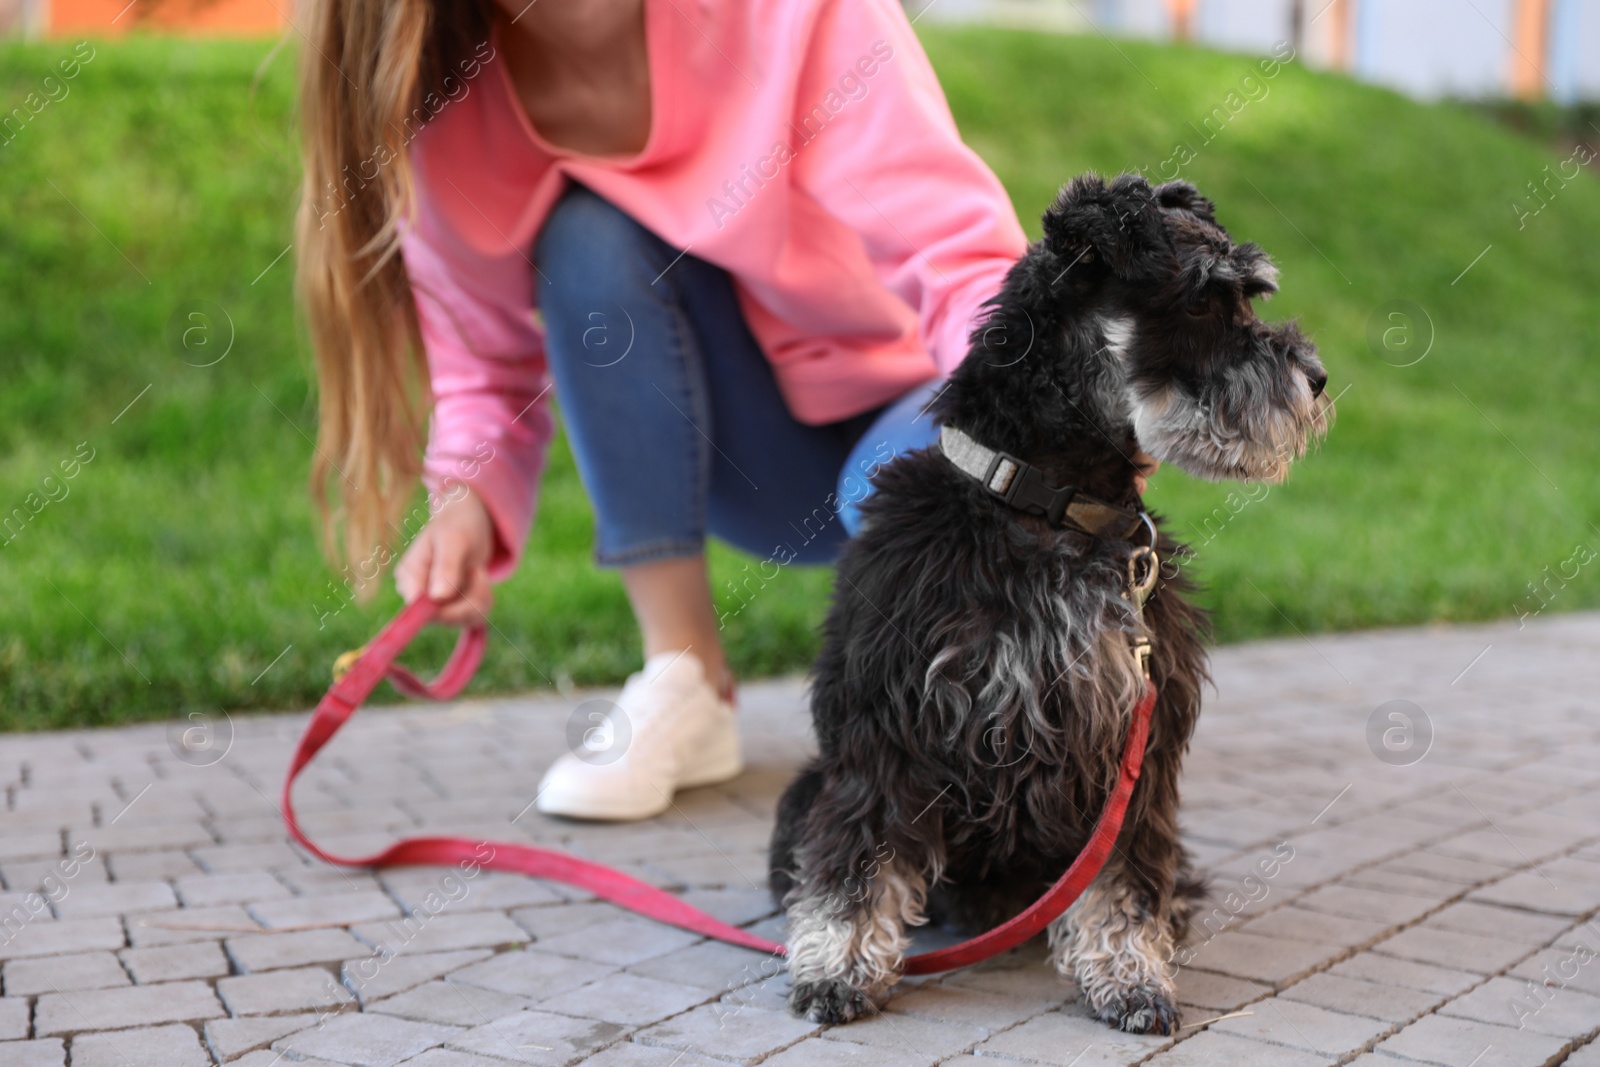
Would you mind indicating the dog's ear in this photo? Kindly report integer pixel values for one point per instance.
(1182, 196)
(1117, 222)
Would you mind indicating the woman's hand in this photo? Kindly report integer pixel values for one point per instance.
(449, 560)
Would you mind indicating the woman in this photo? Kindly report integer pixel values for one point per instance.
(756, 243)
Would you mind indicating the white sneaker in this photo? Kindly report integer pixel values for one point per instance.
(674, 732)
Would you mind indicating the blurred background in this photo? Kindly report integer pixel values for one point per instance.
(1422, 170)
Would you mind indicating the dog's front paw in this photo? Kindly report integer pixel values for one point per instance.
(830, 1001)
(1143, 1009)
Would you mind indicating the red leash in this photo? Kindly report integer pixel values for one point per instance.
(376, 662)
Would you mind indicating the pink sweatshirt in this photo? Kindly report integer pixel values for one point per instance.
(804, 146)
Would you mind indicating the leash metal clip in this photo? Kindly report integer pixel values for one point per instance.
(1143, 566)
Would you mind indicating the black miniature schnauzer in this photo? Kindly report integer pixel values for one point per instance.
(977, 676)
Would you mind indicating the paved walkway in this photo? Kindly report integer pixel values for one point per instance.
(1430, 910)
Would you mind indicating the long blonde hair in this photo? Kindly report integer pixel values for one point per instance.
(366, 67)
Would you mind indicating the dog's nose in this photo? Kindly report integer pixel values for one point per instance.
(1318, 380)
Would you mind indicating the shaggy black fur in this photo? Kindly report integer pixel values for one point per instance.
(973, 691)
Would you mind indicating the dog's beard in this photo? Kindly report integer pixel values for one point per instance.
(1252, 429)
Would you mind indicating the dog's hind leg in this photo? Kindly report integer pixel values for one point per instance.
(1118, 945)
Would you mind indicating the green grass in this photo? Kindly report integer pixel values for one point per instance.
(181, 562)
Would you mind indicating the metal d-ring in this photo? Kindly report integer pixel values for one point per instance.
(1143, 565)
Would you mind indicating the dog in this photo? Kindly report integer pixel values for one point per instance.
(978, 669)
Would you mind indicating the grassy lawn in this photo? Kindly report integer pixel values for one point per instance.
(177, 570)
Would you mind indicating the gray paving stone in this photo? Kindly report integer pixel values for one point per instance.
(134, 838)
(1269, 960)
(532, 973)
(1218, 992)
(115, 898)
(815, 1052)
(1305, 1026)
(1389, 970)
(63, 974)
(1541, 892)
(1464, 1043)
(33, 845)
(951, 1004)
(343, 908)
(445, 1057)
(1066, 1037)
(625, 1054)
(271, 856)
(268, 1058)
(1511, 924)
(1211, 1049)
(1525, 1005)
(294, 948)
(113, 1009)
(743, 1034)
(150, 866)
(921, 1036)
(187, 924)
(539, 1038)
(451, 1003)
(626, 998)
(48, 1052)
(277, 992)
(619, 941)
(367, 1040)
(487, 891)
(1303, 924)
(710, 965)
(558, 919)
(1367, 904)
(239, 887)
(60, 937)
(171, 963)
(159, 1046)
(373, 977)
(1560, 968)
(16, 1018)
(229, 1039)
(443, 933)
(1391, 1003)
(1453, 948)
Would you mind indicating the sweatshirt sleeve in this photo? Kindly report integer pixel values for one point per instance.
(491, 424)
(937, 224)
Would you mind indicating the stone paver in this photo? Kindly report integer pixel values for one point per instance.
(112, 1009)
(1305, 1027)
(273, 992)
(537, 1037)
(229, 1039)
(1463, 1043)
(63, 974)
(296, 948)
(160, 1046)
(367, 1040)
(171, 963)
(1426, 911)
(44, 1052)
(15, 1018)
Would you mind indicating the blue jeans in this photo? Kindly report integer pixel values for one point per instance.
(672, 411)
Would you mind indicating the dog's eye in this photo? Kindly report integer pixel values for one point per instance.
(1198, 311)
